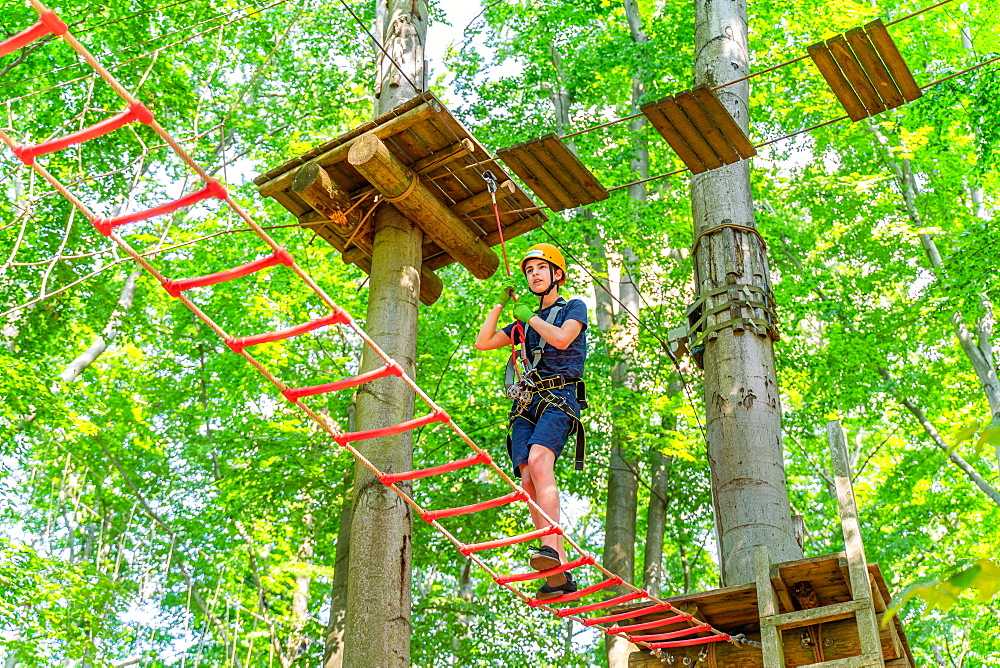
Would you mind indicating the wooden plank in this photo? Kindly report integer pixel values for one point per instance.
(522, 164)
(857, 564)
(459, 150)
(706, 127)
(523, 173)
(669, 107)
(820, 615)
(482, 199)
(837, 82)
(595, 191)
(852, 69)
(849, 662)
(673, 138)
(548, 178)
(893, 60)
(767, 603)
(784, 598)
(339, 153)
(723, 119)
(557, 168)
(857, 38)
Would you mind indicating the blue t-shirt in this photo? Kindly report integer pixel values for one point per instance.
(569, 362)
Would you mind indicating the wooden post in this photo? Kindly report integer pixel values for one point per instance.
(857, 563)
(767, 604)
(402, 186)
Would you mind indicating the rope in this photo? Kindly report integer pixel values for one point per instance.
(406, 193)
(734, 226)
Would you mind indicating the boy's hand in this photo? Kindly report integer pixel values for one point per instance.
(523, 312)
(504, 289)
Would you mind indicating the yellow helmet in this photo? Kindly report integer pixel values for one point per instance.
(546, 252)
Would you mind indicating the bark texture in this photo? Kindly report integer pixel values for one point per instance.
(741, 392)
(110, 333)
(377, 628)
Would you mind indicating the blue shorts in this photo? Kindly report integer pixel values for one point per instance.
(551, 431)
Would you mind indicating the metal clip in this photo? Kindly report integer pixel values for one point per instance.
(491, 181)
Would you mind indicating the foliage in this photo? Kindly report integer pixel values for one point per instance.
(158, 506)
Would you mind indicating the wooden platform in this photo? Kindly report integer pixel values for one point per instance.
(865, 70)
(801, 585)
(327, 193)
(553, 173)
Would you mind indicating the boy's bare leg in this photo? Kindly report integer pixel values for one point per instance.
(540, 469)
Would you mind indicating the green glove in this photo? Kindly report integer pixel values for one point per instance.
(523, 312)
(505, 287)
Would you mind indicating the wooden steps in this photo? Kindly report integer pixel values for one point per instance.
(865, 70)
(554, 173)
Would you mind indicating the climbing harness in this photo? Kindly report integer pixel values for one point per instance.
(524, 388)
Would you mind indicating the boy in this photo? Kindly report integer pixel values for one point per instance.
(549, 410)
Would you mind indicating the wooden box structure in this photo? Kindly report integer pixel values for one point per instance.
(823, 612)
(807, 584)
(421, 160)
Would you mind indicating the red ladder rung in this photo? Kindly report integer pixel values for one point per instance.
(281, 256)
(213, 189)
(431, 515)
(47, 23)
(585, 560)
(627, 615)
(437, 416)
(391, 369)
(671, 634)
(692, 641)
(135, 112)
(339, 318)
(683, 617)
(390, 478)
(511, 540)
(565, 598)
(611, 602)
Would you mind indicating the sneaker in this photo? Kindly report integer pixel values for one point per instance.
(545, 558)
(546, 592)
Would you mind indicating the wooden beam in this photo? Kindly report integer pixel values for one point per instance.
(877, 73)
(673, 138)
(852, 69)
(313, 186)
(435, 260)
(857, 564)
(400, 185)
(727, 124)
(837, 82)
(687, 130)
(767, 607)
(482, 199)
(820, 615)
(897, 67)
(339, 153)
(704, 124)
(440, 158)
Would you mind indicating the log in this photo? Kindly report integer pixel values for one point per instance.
(315, 187)
(370, 156)
(435, 261)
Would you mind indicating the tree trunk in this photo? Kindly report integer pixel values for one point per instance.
(110, 333)
(656, 524)
(298, 644)
(333, 653)
(742, 408)
(377, 628)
